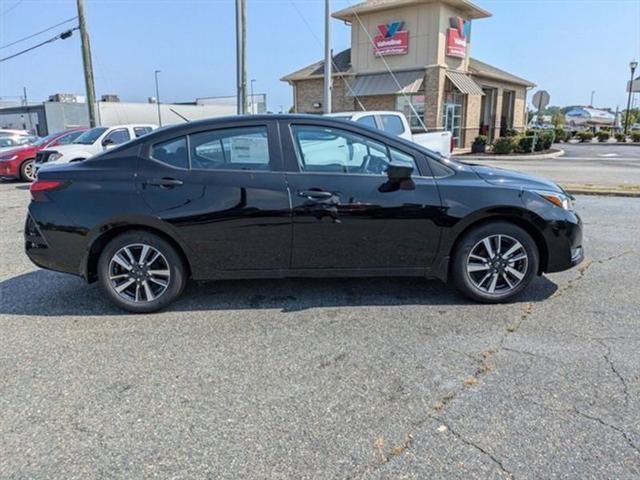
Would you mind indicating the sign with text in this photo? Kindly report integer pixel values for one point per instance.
(458, 37)
(392, 40)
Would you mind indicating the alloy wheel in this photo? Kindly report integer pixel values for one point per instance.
(497, 264)
(29, 170)
(139, 273)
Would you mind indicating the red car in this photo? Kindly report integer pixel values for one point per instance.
(19, 162)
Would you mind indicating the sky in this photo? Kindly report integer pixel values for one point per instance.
(567, 47)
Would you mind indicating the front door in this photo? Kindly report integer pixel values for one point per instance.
(225, 194)
(347, 214)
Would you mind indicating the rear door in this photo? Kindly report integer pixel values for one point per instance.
(224, 191)
(346, 212)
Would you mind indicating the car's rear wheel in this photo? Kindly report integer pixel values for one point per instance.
(494, 262)
(28, 170)
(141, 272)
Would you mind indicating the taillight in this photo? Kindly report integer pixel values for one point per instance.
(40, 187)
(44, 185)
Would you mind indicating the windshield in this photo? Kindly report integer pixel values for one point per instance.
(90, 136)
(44, 140)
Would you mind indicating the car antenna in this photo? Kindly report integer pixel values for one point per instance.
(181, 116)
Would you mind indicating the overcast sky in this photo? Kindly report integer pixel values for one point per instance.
(568, 47)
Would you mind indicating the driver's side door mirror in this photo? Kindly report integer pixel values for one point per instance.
(398, 171)
(108, 142)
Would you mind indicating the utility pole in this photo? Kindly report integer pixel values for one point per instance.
(158, 98)
(86, 62)
(593, 92)
(241, 56)
(253, 112)
(26, 105)
(632, 66)
(326, 101)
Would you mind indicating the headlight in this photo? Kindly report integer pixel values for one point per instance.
(8, 158)
(559, 199)
(54, 156)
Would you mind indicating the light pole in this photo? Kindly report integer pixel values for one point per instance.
(593, 92)
(252, 97)
(158, 98)
(632, 66)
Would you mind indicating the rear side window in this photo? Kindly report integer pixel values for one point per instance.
(392, 124)
(140, 131)
(368, 121)
(172, 152)
(243, 148)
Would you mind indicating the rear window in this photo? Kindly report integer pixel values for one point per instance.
(140, 131)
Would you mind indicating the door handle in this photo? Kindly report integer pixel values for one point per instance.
(164, 182)
(315, 194)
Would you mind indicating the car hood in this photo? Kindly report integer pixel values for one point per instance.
(17, 150)
(510, 178)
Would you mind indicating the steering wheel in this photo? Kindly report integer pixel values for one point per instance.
(376, 165)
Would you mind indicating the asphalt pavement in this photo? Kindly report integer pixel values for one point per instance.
(589, 164)
(360, 378)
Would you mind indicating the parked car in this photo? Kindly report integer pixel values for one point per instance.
(19, 162)
(4, 132)
(92, 142)
(265, 196)
(9, 142)
(395, 123)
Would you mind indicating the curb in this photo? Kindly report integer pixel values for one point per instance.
(602, 190)
(538, 156)
(603, 144)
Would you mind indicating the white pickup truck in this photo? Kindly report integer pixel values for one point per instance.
(395, 123)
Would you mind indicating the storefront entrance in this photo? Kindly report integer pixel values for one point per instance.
(488, 113)
(452, 116)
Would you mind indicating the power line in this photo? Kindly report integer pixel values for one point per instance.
(60, 36)
(11, 7)
(38, 33)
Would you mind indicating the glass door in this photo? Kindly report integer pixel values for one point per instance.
(452, 120)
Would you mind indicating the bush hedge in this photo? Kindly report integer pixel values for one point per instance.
(525, 144)
(603, 136)
(585, 136)
(620, 137)
(561, 135)
(503, 145)
(635, 137)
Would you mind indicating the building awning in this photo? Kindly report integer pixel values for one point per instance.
(384, 83)
(464, 83)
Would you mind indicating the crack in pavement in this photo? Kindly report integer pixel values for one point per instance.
(607, 357)
(470, 443)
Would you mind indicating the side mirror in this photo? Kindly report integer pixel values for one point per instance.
(108, 142)
(398, 172)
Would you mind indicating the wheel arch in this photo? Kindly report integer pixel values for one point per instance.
(98, 244)
(521, 219)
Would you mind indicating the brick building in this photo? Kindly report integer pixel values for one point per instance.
(413, 56)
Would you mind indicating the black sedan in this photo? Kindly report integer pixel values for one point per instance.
(293, 196)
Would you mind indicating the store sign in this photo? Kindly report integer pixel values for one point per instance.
(458, 37)
(391, 41)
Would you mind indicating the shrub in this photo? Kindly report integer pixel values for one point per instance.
(635, 137)
(603, 136)
(545, 140)
(481, 140)
(503, 145)
(561, 135)
(620, 137)
(585, 137)
(511, 132)
(525, 144)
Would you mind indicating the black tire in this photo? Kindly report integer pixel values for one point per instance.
(27, 166)
(528, 267)
(174, 264)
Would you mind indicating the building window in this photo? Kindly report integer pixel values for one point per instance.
(404, 104)
(506, 117)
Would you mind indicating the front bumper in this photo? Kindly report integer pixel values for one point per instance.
(564, 243)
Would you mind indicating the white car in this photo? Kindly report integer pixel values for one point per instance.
(9, 142)
(92, 142)
(395, 123)
(9, 132)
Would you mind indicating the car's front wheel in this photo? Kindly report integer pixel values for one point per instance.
(141, 272)
(28, 170)
(494, 262)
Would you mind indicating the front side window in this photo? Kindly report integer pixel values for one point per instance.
(140, 131)
(392, 124)
(118, 136)
(90, 136)
(322, 149)
(243, 148)
(368, 121)
(172, 152)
